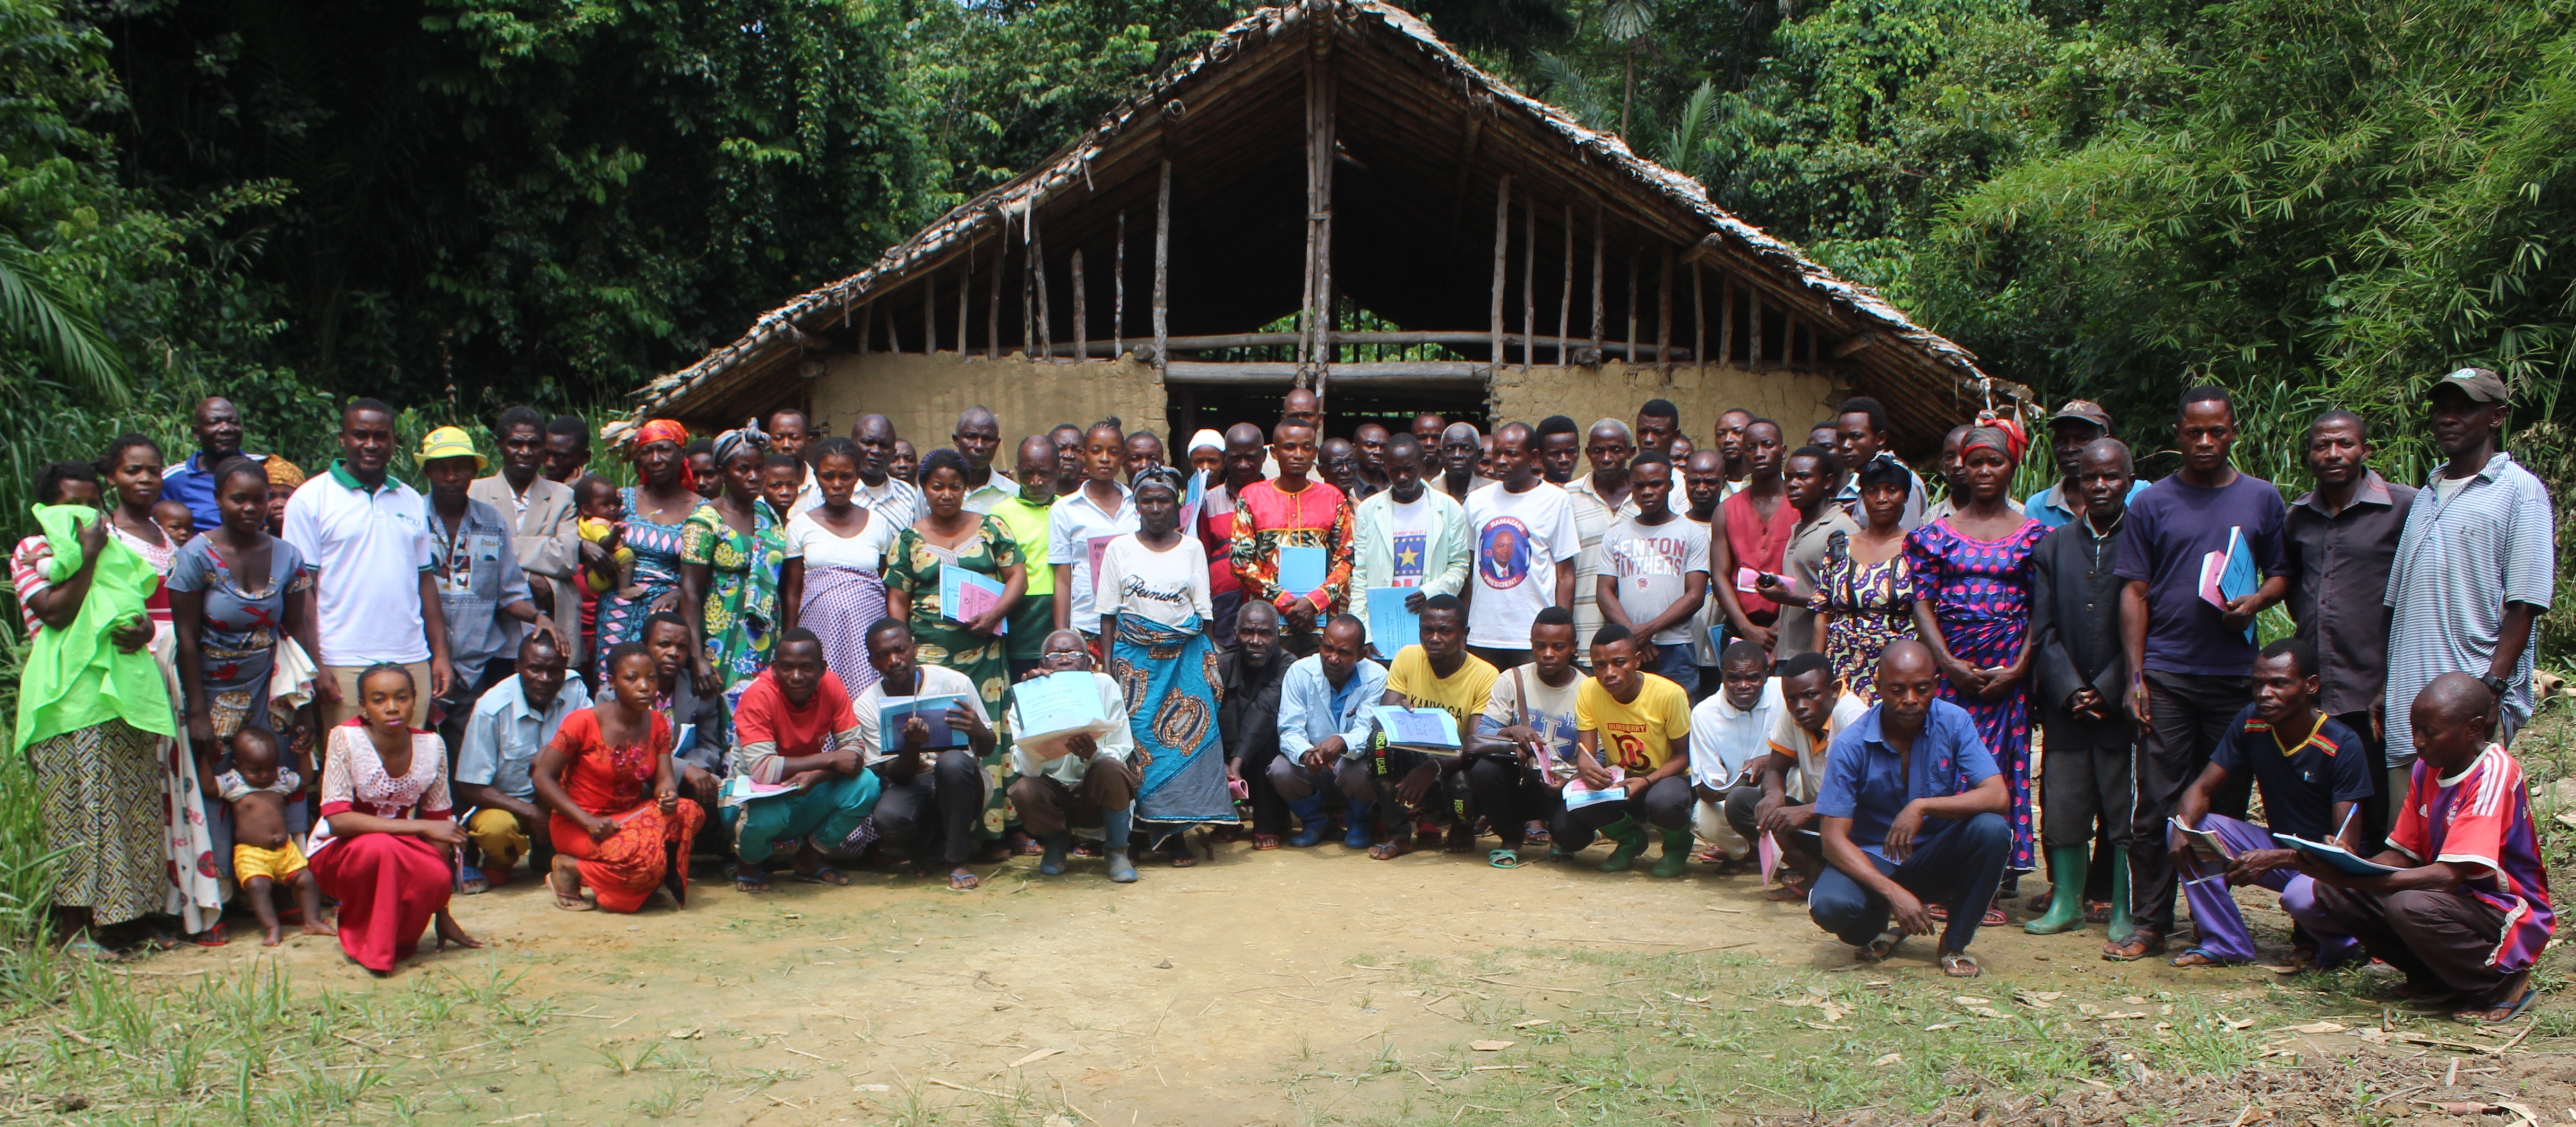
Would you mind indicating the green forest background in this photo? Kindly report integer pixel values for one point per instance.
(453, 204)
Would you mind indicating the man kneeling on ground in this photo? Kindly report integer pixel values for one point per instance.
(1090, 782)
(1730, 743)
(1634, 729)
(794, 730)
(2466, 921)
(929, 809)
(2313, 775)
(1781, 801)
(1426, 790)
(1913, 780)
(511, 723)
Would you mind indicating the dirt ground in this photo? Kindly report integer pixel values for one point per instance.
(1288, 987)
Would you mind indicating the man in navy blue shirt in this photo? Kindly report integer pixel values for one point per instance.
(1912, 808)
(2313, 771)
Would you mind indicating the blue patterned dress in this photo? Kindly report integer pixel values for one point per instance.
(657, 571)
(1980, 593)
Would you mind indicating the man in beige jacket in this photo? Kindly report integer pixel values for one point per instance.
(542, 521)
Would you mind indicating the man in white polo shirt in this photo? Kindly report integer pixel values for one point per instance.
(369, 547)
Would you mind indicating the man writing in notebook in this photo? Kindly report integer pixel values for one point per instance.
(2468, 909)
(1441, 674)
(2314, 775)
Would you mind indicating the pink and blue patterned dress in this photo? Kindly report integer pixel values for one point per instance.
(659, 549)
(1980, 595)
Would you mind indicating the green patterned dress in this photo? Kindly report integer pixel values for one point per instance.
(913, 568)
(741, 611)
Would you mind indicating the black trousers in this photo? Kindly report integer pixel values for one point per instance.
(2378, 812)
(2187, 717)
(1269, 809)
(950, 795)
(1508, 796)
(1371, 778)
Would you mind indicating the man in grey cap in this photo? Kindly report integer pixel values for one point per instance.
(2474, 567)
(2077, 424)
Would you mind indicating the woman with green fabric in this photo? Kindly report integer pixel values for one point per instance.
(946, 536)
(93, 711)
(730, 551)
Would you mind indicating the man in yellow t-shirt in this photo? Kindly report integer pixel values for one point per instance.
(1441, 674)
(1634, 729)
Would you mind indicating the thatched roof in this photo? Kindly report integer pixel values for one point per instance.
(1422, 137)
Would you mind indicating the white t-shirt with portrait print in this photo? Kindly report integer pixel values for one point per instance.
(1521, 540)
(1168, 586)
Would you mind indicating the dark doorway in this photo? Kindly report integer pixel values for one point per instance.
(1218, 406)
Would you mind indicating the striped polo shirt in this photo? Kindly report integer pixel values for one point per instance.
(2460, 559)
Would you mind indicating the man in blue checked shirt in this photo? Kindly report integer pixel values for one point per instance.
(1913, 782)
(1324, 723)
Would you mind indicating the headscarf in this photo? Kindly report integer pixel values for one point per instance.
(665, 430)
(1207, 438)
(2001, 434)
(282, 472)
(732, 442)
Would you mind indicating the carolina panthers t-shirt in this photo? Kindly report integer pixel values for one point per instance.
(1521, 539)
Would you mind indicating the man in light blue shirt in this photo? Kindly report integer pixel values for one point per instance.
(1912, 808)
(1324, 723)
(2077, 424)
(511, 723)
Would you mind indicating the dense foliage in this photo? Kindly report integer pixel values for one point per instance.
(458, 203)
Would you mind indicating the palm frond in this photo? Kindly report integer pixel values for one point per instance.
(38, 316)
(1681, 144)
(1560, 82)
(1625, 20)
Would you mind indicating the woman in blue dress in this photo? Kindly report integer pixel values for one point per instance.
(656, 527)
(1972, 575)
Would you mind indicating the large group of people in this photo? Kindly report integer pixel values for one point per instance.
(806, 652)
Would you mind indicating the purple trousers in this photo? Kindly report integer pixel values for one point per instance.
(2223, 934)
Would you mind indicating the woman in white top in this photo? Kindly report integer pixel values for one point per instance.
(833, 583)
(1152, 591)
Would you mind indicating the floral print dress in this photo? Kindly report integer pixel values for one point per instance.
(913, 568)
(741, 609)
(1871, 604)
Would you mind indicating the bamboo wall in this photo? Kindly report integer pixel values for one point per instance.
(1795, 400)
(924, 394)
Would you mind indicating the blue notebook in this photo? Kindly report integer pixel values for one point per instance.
(1391, 627)
(1301, 570)
(933, 710)
(963, 595)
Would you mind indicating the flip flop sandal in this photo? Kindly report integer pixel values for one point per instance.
(1390, 850)
(83, 947)
(1960, 964)
(825, 875)
(1031, 847)
(2143, 944)
(2097, 911)
(1536, 834)
(1994, 917)
(964, 882)
(2196, 957)
(470, 886)
(1881, 948)
(1264, 843)
(215, 936)
(2474, 1017)
(1504, 859)
(1787, 894)
(570, 902)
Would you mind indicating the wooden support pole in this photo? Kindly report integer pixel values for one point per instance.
(930, 313)
(1565, 300)
(1631, 295)
(894, 336)
(1599, 305)
(1664, 319)
(1081, 317)
(993, 309)
(1699, 320)
(1162, 273)
(1118, 293)
(1037, 267)
(1028, 298)
(1322, 84)
(1529, 282)
(1753, 331)
(865, 308)
(1725, 318)
(1502, 257)
(965, 291)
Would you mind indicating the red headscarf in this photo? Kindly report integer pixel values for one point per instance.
(664, 430)
(2002, 433)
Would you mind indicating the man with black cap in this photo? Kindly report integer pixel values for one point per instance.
(2474, 567)
(2077, 424)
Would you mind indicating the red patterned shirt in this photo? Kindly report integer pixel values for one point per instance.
(1268, 518)
(2481, 819)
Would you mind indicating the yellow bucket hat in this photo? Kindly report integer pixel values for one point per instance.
(451, 442)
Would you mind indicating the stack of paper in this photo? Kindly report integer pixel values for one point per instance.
(1055, 708)
(1432, 731)
(2204, 844)
(893, 712)
(964, 596)
(741, 789)
(1577, 796)
(1391, 627)
(1301, 569)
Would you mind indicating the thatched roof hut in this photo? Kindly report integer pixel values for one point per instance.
(1315, 160)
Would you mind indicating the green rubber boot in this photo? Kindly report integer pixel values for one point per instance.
(1676, 858)
(2122, 927)
(2066, 898)
(1630, 840)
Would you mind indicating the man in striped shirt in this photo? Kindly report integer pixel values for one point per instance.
(2467, 910)
(2474, 566)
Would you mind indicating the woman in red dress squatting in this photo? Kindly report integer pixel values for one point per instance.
(608, 834)
(387, 843)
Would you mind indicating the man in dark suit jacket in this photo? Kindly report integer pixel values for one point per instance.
(2080, 676)
(1248, 717)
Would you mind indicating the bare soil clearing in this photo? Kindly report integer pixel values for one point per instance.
(1286, 987)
